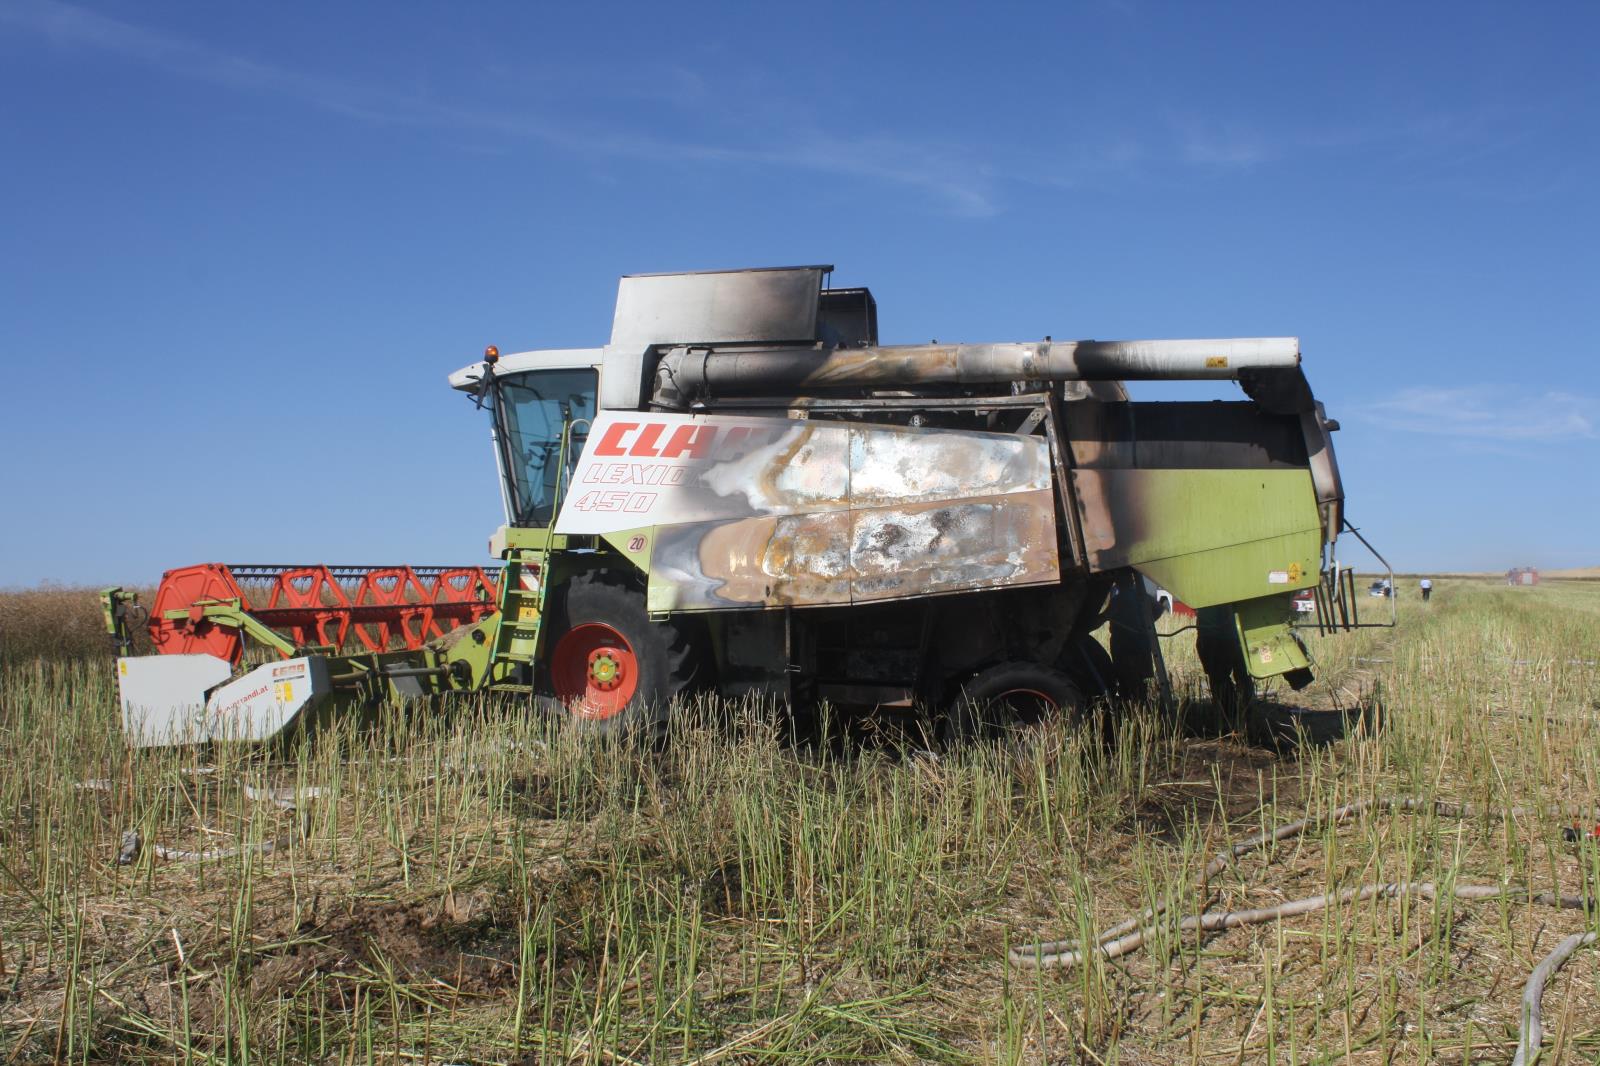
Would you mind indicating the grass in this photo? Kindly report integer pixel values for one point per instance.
(486, 886)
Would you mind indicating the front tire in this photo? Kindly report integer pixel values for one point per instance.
(612, 667)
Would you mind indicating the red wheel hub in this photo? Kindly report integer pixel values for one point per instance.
(594, 671)
(1028, 704)
(1013, 695)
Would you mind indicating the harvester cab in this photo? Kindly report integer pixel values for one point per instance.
(744, 492)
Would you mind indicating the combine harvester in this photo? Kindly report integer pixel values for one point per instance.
(743, 492)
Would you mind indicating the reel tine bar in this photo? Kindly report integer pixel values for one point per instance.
(383, 607)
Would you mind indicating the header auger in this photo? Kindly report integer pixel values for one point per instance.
(744, 492)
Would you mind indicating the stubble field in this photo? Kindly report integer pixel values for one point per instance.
(487, 887)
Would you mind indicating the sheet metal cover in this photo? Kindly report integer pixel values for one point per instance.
(163, 697)
(260, 703)
(657, 469)
(721, 307)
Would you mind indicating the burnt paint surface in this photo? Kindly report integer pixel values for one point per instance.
(801, 512)
(857, 555)
(1127, 505)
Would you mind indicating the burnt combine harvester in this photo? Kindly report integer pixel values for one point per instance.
(744, 492)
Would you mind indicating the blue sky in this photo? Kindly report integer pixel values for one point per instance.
(242, 245)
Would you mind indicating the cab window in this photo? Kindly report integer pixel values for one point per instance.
(533, 409)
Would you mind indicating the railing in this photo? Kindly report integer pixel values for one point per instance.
(1339, 597)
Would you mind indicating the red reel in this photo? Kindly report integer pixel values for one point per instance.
(381, 606)
(186, 589)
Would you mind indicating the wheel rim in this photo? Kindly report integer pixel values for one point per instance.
(594, 671)
(1026, 704)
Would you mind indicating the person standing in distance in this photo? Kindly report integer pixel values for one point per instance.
(1427, 589)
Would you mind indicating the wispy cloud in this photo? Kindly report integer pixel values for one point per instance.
(758, 128)
(1221, 145)
(75, 27)
(936, 171)
(1479, 150)
(1488, 414)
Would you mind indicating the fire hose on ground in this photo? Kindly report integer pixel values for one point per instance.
(1131, 934)
(286, 799)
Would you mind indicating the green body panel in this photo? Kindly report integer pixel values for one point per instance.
(1266, 633)
(110, 600)
(634, 545)
(115, 605)
(1250, 538)
(1236, 572)
(475, 648)
(1214, 536)
(526, 538)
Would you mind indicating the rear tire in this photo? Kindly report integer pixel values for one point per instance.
(1003, 700)
(611, 667)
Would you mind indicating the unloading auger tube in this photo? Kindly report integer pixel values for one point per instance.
(687, 373)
